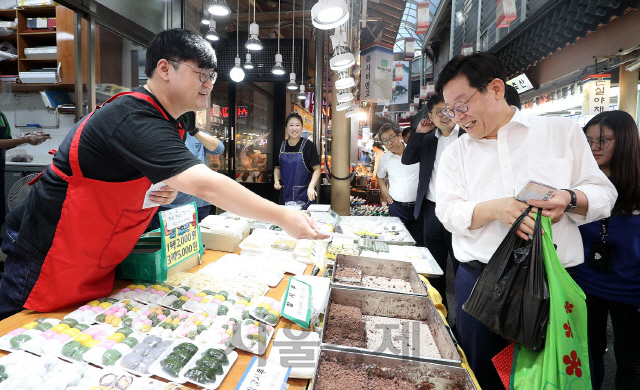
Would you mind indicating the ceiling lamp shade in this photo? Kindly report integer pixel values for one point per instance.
(302, 95)
(248, 64)
(352, 111)
(212, 35)
(278, 69)
(345, 81)
(342, 57)
(254, 42)
(219, 8)
(344, 97)
(327, 14)
(342, 61)
(237, 74)
(343, 106)
(292, 86)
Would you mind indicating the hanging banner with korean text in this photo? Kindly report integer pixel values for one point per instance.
(467, 49)
(595, 90)
(397, 76)
(505, 13)
(409, 49)
(422, 17)
(376, 73)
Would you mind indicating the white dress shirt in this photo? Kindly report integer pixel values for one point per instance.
(550, 150)
(403, 179)
(443, 142)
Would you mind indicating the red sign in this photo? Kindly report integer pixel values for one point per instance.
(243, 112)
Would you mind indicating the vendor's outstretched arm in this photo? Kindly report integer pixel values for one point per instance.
(227, 194)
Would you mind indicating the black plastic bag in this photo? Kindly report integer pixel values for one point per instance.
(511, 295)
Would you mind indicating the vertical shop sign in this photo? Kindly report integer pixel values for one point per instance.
(376, 73)
(398, 71)
(422, 18)
(409, 49)
(431, 88)
(467, 49)
(505, 13)
(595, 90)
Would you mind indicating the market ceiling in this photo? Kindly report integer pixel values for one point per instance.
(382, 20)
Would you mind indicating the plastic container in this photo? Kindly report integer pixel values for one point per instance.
(174, 360)
(29, 335)
(144, 354)
(108, 353)
(253, 337)
(178, 297)
(119, 314)
(87, 312)
(266, 309)
(41, 52)
(146, 262)
(203, 360)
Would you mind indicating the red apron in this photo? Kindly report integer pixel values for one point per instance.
(99, 225)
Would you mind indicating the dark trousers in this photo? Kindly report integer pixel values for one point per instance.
(477, 341)
(625, 319)
(438, 240)
(21, 271)
(405, 213)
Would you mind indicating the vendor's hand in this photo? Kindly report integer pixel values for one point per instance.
(425, 126)
(164, 196)
(311, 193)
(299, 225)
(35, 138)
(507, 210)
(277, 185)
(555, 206)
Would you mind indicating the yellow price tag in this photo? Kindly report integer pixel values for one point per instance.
(318, 255)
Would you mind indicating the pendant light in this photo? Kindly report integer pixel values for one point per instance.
(328, 14)
(254, 42)
(344, 96)
(352, 111)
(292, 86)
(237, 74)
(345, 80)
(248, 65)
(302, 95)
(342, 57)
(343, 106)
(212, 35)
(278, 69)
(219, 8)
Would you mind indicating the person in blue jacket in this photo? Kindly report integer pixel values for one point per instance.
(610, 275)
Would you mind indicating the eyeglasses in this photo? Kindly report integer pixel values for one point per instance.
(601, 143)
(204, 73)
(462, 107)
(440, 113)
(388, 141)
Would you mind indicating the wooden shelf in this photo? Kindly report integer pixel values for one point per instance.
(38, 33)
(52, 59)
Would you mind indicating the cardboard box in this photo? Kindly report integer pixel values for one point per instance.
(222, 242)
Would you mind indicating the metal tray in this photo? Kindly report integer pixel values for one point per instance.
(409, 240)
(413, 371)
(396, 305)
(379, 267)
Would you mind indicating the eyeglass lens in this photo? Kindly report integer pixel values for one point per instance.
(391, 139)
(601, 143)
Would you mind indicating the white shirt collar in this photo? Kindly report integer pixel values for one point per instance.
(455, 132)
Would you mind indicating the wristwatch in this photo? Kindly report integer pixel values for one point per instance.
(194, 131)
(574, 201)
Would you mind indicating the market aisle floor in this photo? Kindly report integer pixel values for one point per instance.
(609, 359)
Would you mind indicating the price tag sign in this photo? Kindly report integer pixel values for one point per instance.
(262, 374)
(296, 303)
(180, 233)
(318, 253)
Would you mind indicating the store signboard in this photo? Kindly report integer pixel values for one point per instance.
(422, 17)
(397, 76)
(595, 90)
(307, 118)
(505, 13)
(376, 73)
(409, 49)
(521, 83)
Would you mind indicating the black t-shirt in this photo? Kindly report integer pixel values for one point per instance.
(125, 140)
(309, 153)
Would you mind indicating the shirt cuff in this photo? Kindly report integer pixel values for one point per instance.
(599, 205)
(457, 218)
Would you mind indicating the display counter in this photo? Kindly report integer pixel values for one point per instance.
(234, 375)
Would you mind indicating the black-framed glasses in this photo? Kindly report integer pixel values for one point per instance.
(204, 74)
(439, 113)
(462, 107)
(388, 140)
(601, 143)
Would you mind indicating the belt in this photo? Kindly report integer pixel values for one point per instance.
(405, 204)
(475, 264)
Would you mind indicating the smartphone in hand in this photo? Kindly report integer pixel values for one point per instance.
(536, 191)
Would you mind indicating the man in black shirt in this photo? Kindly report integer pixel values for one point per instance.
(86, 212)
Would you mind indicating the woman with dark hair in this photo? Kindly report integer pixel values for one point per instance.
(610, 275)
(297, 168)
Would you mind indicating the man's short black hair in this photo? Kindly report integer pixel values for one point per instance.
(433, 100)
(179, 45)
(479, 68)
(511, 96)
(389, 126)
(407, 130)
(378, 145)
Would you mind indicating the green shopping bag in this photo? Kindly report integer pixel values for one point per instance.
(564, 361)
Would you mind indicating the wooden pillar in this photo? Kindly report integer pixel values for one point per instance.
(628, 97)
(340, 143)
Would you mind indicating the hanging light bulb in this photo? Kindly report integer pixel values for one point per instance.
(219, 8)
(278, 69)
(328, 14)
(342, 106)
(302, 95)
(292, 82)
(236, 73)
(212, 35)
(345, 81)
(254, 42)
(204, 19)
(342, 57)
(344, 96)
(248, 64)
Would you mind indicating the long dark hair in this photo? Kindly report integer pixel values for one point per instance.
(625, 162)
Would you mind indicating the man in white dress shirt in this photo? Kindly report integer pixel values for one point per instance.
(480, 174)
(403, 181)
